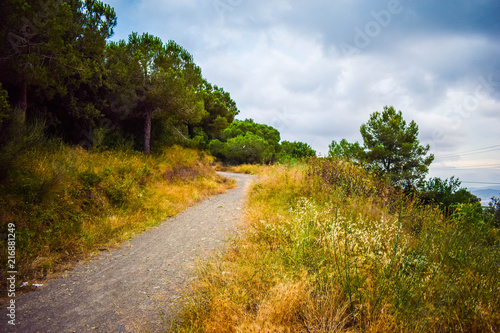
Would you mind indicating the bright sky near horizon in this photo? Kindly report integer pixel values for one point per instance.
(316, 70)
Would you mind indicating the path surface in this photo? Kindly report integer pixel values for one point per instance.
(136, 287)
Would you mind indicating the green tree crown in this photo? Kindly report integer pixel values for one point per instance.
(347, 150)
(393, 147)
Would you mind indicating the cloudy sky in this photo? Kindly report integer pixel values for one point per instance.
(317, 69)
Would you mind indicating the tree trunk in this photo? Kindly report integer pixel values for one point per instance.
(190, 130)
(23, 101)
(147, 134)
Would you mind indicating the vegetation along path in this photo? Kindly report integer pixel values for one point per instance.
(136, 287)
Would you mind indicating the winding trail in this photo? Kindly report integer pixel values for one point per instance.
(134, 288)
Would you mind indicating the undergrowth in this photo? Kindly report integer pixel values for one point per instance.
(331, 248)
(249, 169)
(67, 203)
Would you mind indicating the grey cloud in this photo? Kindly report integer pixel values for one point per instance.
(283, 62)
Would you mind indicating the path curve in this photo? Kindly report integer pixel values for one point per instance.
(136, 287)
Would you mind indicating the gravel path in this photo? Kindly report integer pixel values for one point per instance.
(134, 288)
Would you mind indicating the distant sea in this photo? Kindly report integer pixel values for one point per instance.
(485, 194)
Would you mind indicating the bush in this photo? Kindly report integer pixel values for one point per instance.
(492, 212)
(247, 142)
(89, 179)
(446, 194)
(291, 152)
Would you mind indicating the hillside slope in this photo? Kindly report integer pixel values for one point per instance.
(65, 203)
(331, 248)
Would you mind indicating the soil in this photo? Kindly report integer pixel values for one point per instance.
(134, 288)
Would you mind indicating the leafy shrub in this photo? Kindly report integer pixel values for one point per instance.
(492, 212)
(293, 151)
(247, 142)
(445, 193)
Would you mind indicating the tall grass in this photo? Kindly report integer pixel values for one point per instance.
(249, 169)
(66, 202)
(330, 248)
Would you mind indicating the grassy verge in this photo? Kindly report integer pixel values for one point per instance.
(329, 248)
(249, 169)
(65, 203)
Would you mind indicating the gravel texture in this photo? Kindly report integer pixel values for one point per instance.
(134, 288)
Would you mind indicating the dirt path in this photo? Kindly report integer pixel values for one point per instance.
(134, 288)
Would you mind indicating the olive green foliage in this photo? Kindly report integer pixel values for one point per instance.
(221, 110)
(16, 138)
(57, 65)
(197, 132)
(52, 59)
(293, 151)
(493, 211)
(390, 146)
(239, 127)
(347, 150)
(247, 142)
(446, 193)
(159, 81)
(160, 84)
(248, 148)
(393, 147)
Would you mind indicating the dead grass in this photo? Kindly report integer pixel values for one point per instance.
(330, 248)
(249, 169)
(67, 202)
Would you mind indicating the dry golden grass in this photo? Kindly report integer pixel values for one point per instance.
(249, 169)
(67, 202)
(330, 248)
